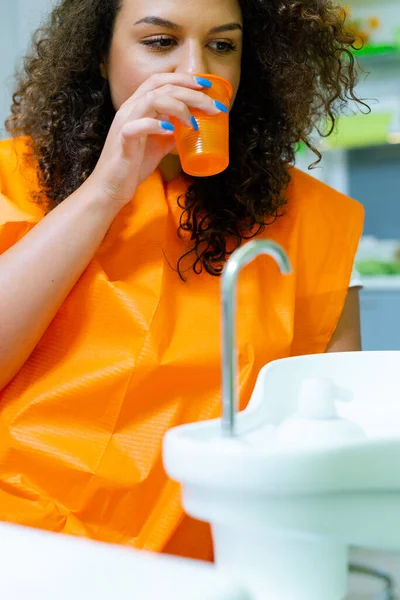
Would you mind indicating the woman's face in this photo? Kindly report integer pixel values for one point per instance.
(167, 36)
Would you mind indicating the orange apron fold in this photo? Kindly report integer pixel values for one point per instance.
(134, 351)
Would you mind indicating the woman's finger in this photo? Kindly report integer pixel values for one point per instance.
(147, 126)
(159, 80)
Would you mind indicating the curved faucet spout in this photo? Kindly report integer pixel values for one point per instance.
(239, 259)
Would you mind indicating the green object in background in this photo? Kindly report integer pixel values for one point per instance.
(301, 148)
(397, 38)
(360, 130)
(379, 50)
(376, 267)
(357, 131)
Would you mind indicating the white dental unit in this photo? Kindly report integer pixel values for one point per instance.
(308, 470)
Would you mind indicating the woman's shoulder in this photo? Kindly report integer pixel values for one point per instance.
(306, 193)
(18, 180)
(322, 217)
(13, 151)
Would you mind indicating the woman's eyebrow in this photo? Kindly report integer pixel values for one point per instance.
(159, 22)
(227, 27)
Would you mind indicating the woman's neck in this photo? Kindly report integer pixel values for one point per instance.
(170, 167)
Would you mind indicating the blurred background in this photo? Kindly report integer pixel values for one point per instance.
(362, 158)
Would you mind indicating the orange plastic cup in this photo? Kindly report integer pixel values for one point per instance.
(206, 152)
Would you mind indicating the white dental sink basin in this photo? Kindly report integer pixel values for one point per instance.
(36, 565)
(283, 517)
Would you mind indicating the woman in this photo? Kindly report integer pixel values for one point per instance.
(110, 295)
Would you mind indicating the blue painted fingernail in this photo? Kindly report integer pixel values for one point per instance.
(167, 126)
(221, 106)
(194, 124)
(204, 82)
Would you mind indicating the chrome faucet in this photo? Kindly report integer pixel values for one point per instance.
(239, 259)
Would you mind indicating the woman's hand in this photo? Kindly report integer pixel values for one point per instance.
(138, 141)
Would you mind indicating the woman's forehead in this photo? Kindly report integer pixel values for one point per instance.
(184, 12)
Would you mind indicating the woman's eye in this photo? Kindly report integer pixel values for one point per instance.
(163, 43)
(223, 47)
(159, 44)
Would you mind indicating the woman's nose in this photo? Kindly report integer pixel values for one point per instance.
(193, 58)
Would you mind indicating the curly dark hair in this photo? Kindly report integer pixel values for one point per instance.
(298, 71)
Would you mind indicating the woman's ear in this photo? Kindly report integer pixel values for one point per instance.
(103, 71)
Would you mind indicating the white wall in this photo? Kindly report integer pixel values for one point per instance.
(18, 19)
